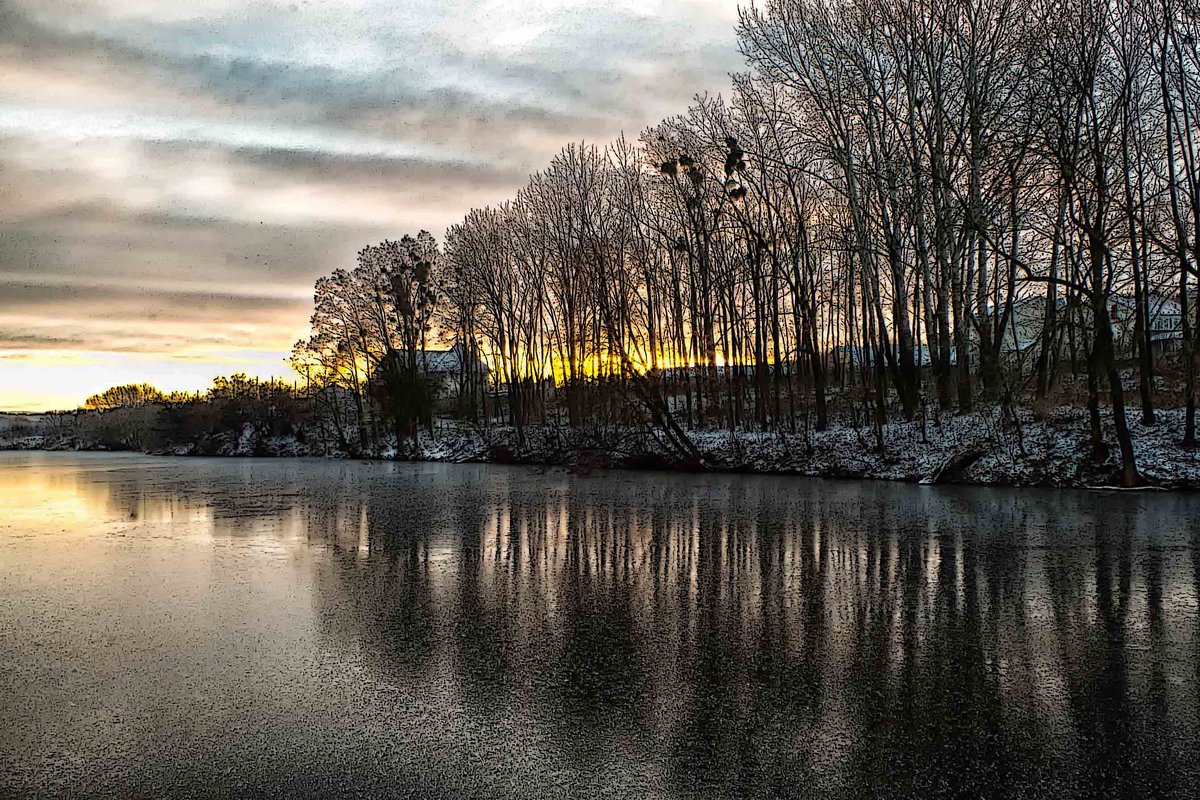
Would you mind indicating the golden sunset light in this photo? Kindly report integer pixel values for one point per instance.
(174, 179)
(600, 399)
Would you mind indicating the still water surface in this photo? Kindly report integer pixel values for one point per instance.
(293, 628)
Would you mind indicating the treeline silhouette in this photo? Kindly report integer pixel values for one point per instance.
(210, 422)
(902, 208)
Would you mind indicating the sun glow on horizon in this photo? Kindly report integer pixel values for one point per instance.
(33, 382)
(165, 215)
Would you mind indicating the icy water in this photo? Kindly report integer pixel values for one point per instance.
(296, 628)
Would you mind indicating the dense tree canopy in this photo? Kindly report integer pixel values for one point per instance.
(125, 395)
(902, 208)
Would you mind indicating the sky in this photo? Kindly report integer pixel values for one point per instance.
(175, 175)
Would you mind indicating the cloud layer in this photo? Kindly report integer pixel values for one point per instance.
(174, 176)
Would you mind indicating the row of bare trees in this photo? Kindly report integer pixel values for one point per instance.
(362, 363)
(902, 206)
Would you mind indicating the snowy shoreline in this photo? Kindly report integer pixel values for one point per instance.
(982, 448)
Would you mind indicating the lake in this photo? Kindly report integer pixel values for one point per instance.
(296, 628)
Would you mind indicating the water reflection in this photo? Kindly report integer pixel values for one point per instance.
(721, 636)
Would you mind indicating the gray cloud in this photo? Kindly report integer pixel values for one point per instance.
(587, 71)
(192, 168)
(12, 340)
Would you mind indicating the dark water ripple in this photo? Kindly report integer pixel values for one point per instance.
(198, 628)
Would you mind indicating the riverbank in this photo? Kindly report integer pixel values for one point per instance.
(984, 448)
(977, 449)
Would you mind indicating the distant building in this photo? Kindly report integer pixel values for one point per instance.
(1022, 334)
(924, 356)
(1023, 331)
(450, 368)
(1165, 323)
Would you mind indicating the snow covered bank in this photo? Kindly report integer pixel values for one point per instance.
(982, 448)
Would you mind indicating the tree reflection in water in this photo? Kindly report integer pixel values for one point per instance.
(760, 637)
(681, 635)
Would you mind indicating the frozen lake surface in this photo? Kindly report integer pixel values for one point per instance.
(300, 628)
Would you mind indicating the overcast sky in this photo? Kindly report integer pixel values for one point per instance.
(175, 175)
